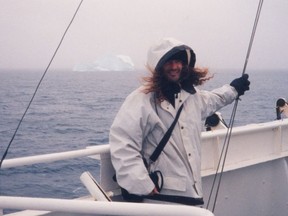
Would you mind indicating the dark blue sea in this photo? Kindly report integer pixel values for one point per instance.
(73, 110)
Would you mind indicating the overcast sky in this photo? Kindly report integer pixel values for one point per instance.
(217, 30)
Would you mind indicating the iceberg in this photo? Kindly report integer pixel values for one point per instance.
(107, 63)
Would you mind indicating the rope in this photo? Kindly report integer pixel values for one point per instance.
(231, 123)
(39, 83)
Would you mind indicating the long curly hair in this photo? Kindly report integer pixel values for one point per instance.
(190, 76)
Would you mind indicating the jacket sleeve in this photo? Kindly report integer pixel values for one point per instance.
(126, 136)
(214, 100)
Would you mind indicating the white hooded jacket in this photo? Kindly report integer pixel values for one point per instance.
(141, 123)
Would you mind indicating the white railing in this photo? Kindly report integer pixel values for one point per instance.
(264, 142)
(250, 128)
(100, 207)
(100, 149)
(249, 145)
(46, 205)
(48, 158)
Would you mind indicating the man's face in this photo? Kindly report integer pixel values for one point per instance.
(172, 70)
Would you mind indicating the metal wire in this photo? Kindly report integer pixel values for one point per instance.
(226, 144)
(39, 83)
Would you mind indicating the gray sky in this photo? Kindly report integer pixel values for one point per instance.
(217, 30)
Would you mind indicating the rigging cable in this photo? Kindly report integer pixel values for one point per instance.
(39, 83)
(231, 123)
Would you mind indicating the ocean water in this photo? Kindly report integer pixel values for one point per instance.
(73, 110)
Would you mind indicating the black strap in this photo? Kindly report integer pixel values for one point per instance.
(162, 197)
(165, 138)
(176, 199)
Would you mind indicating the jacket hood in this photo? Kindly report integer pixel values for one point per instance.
(169, 48)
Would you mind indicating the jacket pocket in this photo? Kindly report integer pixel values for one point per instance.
(173, 183)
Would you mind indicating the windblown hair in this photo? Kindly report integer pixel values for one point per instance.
(190, 77)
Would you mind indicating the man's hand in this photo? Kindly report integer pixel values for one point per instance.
(241, 84)
(154, 191)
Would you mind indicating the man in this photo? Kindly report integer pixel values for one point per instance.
(148, 112)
